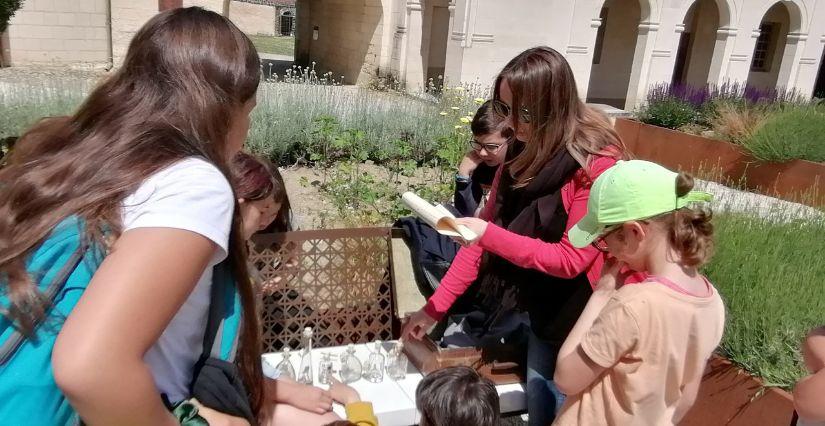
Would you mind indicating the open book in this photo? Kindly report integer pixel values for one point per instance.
(438, 217)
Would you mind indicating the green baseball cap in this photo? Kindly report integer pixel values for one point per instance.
(630, 190)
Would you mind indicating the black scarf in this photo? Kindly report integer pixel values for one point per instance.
(535, 210)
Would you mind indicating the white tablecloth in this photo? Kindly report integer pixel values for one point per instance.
(394, 401)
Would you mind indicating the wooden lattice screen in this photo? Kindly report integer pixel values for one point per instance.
(338, 282)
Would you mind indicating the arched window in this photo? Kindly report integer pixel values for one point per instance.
(287, 24)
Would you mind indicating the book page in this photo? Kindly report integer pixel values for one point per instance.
(438, 217)
(422, 208)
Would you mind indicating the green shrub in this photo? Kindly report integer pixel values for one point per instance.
(796, 132)
(736, 122)
(7, 9)
(671, 113)
(770, 276)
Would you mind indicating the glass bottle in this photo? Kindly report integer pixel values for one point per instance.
(285, 368)
(374, 371)
(351, 369)
(397, 362)
(305, 372)
(325, 369)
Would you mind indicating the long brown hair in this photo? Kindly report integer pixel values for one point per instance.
(544, 89)
(186, 74)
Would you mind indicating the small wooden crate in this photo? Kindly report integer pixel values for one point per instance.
(503, 364)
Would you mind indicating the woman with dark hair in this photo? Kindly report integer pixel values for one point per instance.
(143, 166)
(523, 257)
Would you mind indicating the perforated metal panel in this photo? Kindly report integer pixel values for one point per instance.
(338, 282)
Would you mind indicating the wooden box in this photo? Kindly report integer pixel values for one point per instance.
(503, 364)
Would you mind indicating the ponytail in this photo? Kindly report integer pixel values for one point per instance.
(690, 231)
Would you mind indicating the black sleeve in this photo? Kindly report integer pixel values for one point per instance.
(464, 198)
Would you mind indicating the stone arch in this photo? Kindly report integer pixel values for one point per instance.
(728, 15)
(797, 11)
(704, 30)
(621, 50)
(780, 34)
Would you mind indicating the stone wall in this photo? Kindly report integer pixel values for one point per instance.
(56, 32)
(127, 17)
(253, 18)
(349, 37)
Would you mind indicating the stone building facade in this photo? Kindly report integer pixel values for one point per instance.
(96, 33)
(618, 49)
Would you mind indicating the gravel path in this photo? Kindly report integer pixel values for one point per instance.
(726, 199)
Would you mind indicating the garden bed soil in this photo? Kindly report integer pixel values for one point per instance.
(724, 162)
(730, 396)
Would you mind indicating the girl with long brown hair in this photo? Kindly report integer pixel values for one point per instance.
(523, 257)
(143, 163)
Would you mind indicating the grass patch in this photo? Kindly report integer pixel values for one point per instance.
(796, 132)
(275, 45)
(23, 105)
(770, 276)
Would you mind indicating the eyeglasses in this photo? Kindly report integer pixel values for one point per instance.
(504, 110)
(600, 242)
(491, 148)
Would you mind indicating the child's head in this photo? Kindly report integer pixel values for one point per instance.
(457, 396)
(536, 92)
(260, 191)
(491, 134)
(638, 210)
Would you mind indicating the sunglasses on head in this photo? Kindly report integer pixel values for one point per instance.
(504, 110)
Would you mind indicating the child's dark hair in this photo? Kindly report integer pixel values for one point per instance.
(487, 121)
(255, 179)
(457, 396)
(690, 230)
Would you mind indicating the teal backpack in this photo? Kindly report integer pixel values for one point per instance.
(62, 267)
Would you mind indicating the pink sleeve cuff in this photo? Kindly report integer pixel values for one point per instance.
(493, 238)
(432, 311)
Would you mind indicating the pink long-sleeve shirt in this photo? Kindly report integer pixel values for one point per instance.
(558, 259)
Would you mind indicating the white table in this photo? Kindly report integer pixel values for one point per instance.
(394, 401)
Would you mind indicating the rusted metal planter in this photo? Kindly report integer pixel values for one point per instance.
(730, 396)
(727, 163)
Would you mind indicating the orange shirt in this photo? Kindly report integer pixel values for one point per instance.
(653, 340)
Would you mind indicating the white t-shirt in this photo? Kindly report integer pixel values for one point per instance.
(194, 195)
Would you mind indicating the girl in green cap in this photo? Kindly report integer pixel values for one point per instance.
(637, 353)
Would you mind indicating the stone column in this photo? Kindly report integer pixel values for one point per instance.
(638, 84)
(739, 64)
(581, 49)
(455, 42)
(722, 50)
(412, 69)
(809, 66)
(789, 67)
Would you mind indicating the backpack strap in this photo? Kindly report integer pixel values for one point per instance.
(16, 338)
(223, 323)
